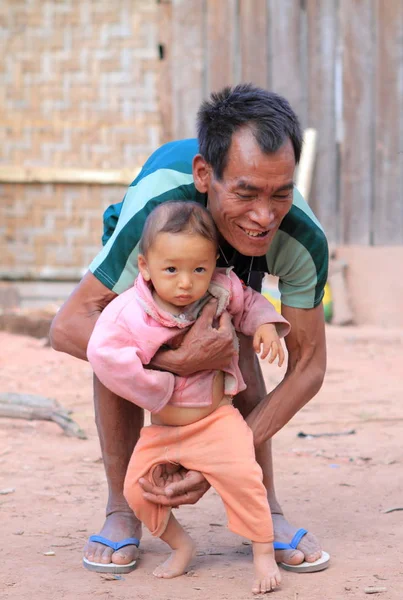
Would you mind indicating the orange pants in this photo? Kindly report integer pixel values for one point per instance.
(221, 447)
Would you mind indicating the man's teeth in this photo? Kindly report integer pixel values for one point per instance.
(255, 233)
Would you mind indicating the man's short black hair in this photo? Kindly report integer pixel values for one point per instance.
(268, 115)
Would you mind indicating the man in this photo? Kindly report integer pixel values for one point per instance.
(242, 170)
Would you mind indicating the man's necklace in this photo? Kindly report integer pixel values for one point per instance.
(227, 262)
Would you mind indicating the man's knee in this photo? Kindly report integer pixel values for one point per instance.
(115, 415)
(248, 360)
(57, 334)
(249, 364)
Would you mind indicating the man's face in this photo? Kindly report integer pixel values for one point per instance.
(254, 194)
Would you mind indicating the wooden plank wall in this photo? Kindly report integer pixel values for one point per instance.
(387, 223)
(356, 174)
(322, 109)
(339, 63)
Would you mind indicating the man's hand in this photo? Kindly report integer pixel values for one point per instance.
(174, 486)
(203, 348)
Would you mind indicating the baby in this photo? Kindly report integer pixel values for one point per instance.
(193, 422)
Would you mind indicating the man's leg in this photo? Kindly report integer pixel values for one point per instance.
(119, 423)
(309, 547)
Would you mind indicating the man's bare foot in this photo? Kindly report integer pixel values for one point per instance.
(308, 549)
(267, 575)
(118, 526)
(183, 551)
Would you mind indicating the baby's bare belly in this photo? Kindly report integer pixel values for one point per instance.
(178, 416)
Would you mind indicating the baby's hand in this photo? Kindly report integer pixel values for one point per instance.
(272, 346)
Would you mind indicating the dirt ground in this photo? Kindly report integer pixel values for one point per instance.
(338, 487)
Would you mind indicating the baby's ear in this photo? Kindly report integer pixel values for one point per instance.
(143, 268)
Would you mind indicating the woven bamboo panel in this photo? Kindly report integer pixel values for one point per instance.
(78, 83)
(51, 230)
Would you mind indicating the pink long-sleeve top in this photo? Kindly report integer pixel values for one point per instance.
(132, 328)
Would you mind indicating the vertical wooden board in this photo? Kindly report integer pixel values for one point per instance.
(322, 56)
(164, 12)
(253, 41)
(388, 199)
(223, 62)
(286, 49)
(188, 66)
(356, 148)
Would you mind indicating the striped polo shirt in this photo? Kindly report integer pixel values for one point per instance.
(298, 255)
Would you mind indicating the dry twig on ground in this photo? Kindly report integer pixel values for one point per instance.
(31, 407)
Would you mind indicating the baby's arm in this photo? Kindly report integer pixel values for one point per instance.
(267, 336)
(118, 362)
(250, 310)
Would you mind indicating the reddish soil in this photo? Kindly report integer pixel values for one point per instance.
(339, 487)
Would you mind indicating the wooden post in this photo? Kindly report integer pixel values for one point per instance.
(307, 163)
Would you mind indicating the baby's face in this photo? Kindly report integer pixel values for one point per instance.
(180, 267)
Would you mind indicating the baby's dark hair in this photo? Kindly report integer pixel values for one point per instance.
(176, 216)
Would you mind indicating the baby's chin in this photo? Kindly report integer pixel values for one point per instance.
(183, 305)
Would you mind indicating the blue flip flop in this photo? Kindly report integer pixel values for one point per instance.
(304, 567)
(112, 567)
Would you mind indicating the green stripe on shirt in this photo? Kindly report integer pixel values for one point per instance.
(116, 264)
(299, 256)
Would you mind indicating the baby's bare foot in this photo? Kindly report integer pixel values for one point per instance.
(179, 560)
(183, 551)
(267, 574)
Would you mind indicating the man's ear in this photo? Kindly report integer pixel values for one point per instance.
(202, 173)
(143, 268)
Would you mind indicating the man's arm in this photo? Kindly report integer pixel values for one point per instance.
(306, 347)
(202, 348)
(72, 326)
